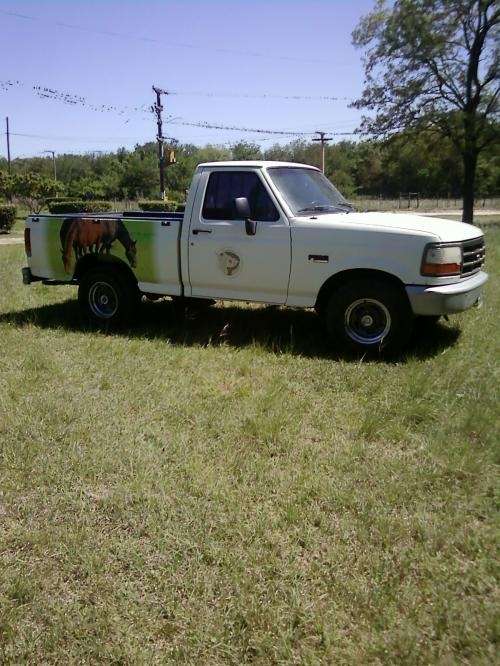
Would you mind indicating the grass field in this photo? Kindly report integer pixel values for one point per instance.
(422, 204)
(483, 221)
(226, 489)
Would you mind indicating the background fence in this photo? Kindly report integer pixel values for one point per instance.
(414, 201)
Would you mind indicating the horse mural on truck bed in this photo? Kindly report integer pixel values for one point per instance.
(81, 236)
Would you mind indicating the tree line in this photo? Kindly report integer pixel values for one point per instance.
(407, 162)
(433, 65)
(431, 93)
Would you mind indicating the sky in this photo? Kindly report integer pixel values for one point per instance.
(231, 52)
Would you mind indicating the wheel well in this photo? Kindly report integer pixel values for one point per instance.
(339, 279)
(91, 261)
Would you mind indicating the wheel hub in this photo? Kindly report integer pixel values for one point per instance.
(103, 300)
(367, 321)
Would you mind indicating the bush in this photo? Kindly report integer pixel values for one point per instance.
(31, 189)
(49, 200)
(158, 206)
(80, 206)
(7, 217)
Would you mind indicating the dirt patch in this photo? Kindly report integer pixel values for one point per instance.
(11, 240)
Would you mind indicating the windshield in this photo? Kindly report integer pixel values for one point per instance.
(308, 191)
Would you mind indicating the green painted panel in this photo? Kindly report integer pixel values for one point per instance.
(132, 241)
(53, 248)
(144, 232)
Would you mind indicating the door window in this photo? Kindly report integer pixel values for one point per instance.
(225, 186)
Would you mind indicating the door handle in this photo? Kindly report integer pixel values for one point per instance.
(201, 231)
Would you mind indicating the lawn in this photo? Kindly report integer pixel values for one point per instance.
(224, 489)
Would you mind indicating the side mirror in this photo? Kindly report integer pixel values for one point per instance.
(243, 213)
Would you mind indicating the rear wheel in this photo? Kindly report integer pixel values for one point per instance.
(369, 316)
(107, 297)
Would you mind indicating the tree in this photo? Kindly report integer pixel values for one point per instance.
(87, 188)
(407, 161)
(433, 64)
(6, 185)
(244, 150)
(140, 176)
(32, 189)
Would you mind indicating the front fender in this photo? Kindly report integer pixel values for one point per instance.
(395, 254)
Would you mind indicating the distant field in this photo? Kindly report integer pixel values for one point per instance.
(226, 489)
(418, 204)
(481, 221)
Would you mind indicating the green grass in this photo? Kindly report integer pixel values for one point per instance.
(226, 489)
(488, 219)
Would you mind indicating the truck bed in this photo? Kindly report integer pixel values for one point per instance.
(147, 243)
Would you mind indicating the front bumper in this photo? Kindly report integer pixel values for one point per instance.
(448, 298)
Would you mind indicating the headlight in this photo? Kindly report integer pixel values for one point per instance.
(441, 260)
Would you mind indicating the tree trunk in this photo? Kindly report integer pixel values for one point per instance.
(470, 164)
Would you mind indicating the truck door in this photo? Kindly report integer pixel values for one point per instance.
(224, 262)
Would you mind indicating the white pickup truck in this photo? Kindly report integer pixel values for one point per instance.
(267, 232)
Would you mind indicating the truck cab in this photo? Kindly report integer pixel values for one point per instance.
(269, 232)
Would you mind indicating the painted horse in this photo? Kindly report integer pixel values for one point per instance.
(89, 236)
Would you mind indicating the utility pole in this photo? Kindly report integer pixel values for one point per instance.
(157, 108)
(8, 141)
(323, 139)
(52, 152)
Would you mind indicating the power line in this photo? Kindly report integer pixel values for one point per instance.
(165, 43)
(74, 138)
(253, 130)
(313, 98)
(73, 99)
(76, 99)
(233, 128)
(201, 125)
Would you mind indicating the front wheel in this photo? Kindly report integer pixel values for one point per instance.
(369, 316)
(107, 297)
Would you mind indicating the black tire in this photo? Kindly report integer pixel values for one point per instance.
(369, 316)
(108, 297)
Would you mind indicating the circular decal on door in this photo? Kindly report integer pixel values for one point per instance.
(229, 262)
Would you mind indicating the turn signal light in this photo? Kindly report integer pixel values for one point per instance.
(440, 269)
(441, 260)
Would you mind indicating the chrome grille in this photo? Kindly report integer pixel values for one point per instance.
(473, 256)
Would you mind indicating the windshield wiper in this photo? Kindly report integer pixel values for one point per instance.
(319, 209)
(314, 209)
(345, 205)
